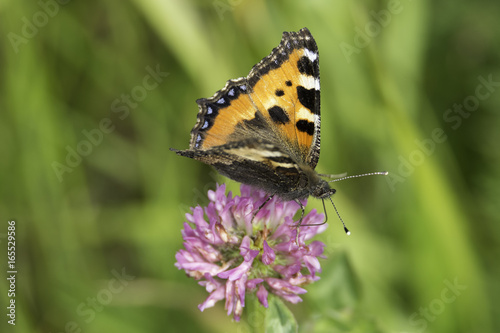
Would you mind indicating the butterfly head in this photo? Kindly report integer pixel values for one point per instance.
(322, 190)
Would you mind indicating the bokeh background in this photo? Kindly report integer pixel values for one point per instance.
(412, 87)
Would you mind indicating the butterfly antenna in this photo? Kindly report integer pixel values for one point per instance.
(340, 218)
(383, 173)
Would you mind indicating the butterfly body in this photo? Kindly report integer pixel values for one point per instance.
(269, 170)
(264, 129)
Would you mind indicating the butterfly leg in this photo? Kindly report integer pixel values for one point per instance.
(262, 206)
(300, 221)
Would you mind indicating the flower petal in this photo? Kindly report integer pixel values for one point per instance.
(289, 270)
(262, 295)
(240, 289)
(245, 251)
(268, 255)
(229, 297)
(251, 284)
(316, 248)
(213, 298)
(284, 286)
(292, 298)
(237, 272)
(312, 264)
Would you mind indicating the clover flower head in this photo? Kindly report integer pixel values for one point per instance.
(233, 248)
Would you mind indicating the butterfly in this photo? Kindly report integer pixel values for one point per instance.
(264, 129)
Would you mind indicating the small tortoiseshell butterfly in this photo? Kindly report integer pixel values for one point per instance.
(264, 129)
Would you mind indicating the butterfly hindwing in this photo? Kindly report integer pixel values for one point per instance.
(219, 115)
(255, 162)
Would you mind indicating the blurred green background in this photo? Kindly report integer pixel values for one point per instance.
(411, 87)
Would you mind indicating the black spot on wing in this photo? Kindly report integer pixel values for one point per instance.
(278, 115)
(307, 67)
(257, 123)
(288, 83)
(279, 92)
(305, 126)
(308, 98)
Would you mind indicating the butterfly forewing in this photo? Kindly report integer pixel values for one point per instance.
(285, 87)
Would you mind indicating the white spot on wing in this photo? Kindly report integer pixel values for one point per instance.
(254, 154)
(311, 55)
(284, 165)
(309, 82)
(304, 113)
(268, 153)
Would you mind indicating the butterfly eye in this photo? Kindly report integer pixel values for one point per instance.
(323, 190)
